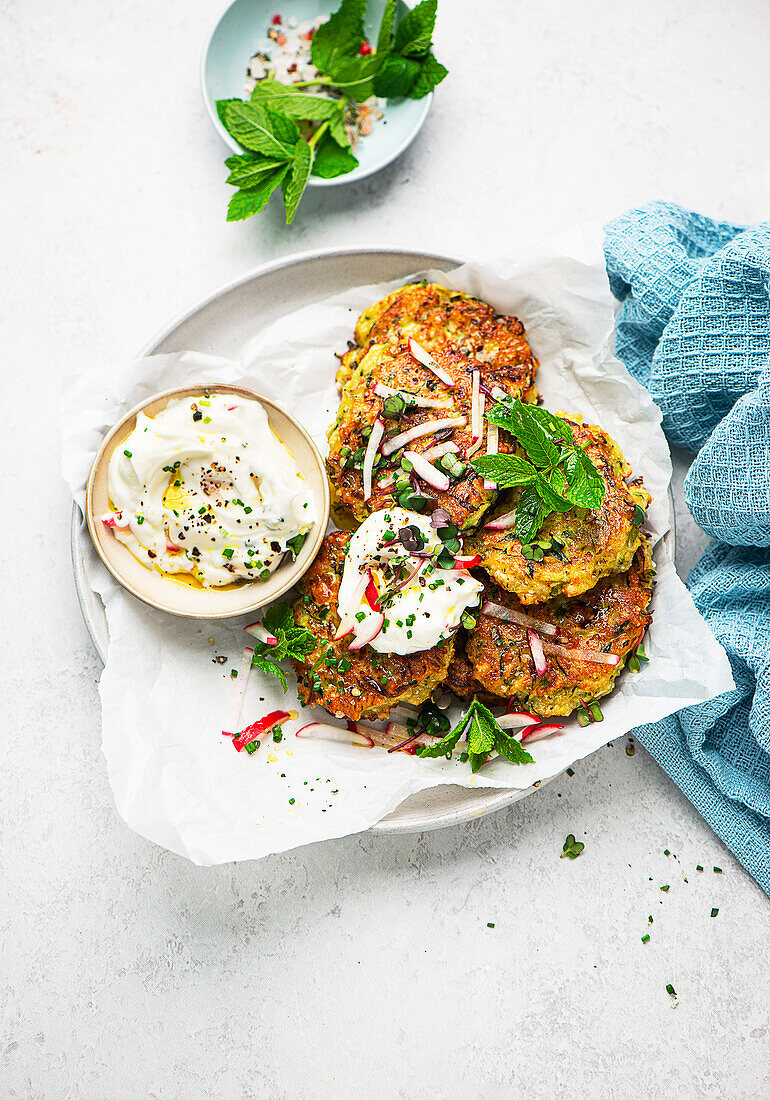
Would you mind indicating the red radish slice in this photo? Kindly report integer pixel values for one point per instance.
(536, 649)
(498, 393)
(114, 519)
(371, 593)
(239, 688)
(378, 430)
(467, 563)
(580, 654)
(497, 611)
(348, 618)
(540, 731)
(258, 631)
(492, 447)
(367, 631)
(231, 408)
(430, 427)
(501, 523)
(441, 449)
(258, 729)
(516, 719)
(385, 482)
(427, 471)
(322, 731)
(470, 451)
(427, 360)
(475, 406)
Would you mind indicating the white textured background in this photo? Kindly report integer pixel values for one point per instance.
(365, 967)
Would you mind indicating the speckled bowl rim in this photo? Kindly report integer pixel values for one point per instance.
(313, 181)
(255, 594)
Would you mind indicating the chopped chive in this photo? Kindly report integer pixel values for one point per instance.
(717, 870)
(670, 990)
(292, 801)
(646, 938)
(698, 867)
(666, 852)
(128, 454)
(570, 772)
(665, 889)
(490, 924)
(252, 747)
(714, 912)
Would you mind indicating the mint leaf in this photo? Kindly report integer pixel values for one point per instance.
(252, 200)
(385, 35)
(248, 170)
(338, 132)
(397, 77)
(340, 36)
(447, 743)
(355, 76)
(549, 492)
(585, 485)
(295, 104)
(534, 436)
(432, 72)
(484, 736)
(512, 749)
(555, 425)
(530, 514)
(277, 618)
(222, 105)
(271, 668)
(294, 185)
(414, 33)
(331, 161)
(505, 470)
(261, 130)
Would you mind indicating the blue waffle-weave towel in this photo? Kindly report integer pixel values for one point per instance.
(694, 327)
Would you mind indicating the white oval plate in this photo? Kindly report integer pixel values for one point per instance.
(220, 325)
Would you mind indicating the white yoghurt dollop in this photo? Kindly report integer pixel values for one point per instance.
(424, 611)
(206, 488)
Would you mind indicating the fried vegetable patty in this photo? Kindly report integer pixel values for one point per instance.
(462, 334)
(612, 618)
(361, 684)
(579, 547)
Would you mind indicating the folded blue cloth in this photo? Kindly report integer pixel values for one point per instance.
(694, 327)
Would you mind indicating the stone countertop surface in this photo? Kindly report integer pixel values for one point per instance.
(364, 967)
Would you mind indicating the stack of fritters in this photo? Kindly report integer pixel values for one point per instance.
(592, 583)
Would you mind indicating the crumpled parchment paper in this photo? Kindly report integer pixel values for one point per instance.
(165, 697)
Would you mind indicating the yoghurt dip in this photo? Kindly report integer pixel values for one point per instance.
(205, 488)
(399, 600)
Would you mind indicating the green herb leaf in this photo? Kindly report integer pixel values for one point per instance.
(355, 76)
(292, 641)
(340, 36)
(484, 736)
(534, 436)
(296, 104)
(385, 35)
(271, 668)
(251, 200)
(250, 169)
(261, 130)
(222, 105)
(550, 486)
(294, 185)
(505, 470)
(396, 77)
(414, 33)
(530, 514)
(512, 749)
(446, 744)
(432, 72)
(585, 485)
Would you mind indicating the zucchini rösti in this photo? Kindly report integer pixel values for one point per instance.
(493, 549)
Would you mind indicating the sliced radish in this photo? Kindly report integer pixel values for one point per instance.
(367, 631)
(114, 519)
(348, 617)
(467, 562)
(239, 688)
(231, 408)
(371, 593)
(580, 654)
(470, 451)
(540, 731)
(427, 471)
(258, 631)
(430, 427)
(497, 611)
(385, 482)
(492, 447)
(498, 393)
(378, 430)
(501, 523)
(441, 449)
(536, 649)
(325, 732)
(258, 729)
(427, 360)
(475, 406)
(517, 718)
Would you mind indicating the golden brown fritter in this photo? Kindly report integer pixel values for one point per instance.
(612, 618)
(583, 545)
(460, 679)
(462, 334)
(361, 684)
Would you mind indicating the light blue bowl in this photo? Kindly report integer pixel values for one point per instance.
(233, 41)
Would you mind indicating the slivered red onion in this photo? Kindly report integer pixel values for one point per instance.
(427, 360)
(378, 430)
(323, 731)
(348, 618)
(427, 471)
(430, 427)
(536, 649)
(498, 611)
(475, 406)
(580, 654)
(501, 523)
(492, 446)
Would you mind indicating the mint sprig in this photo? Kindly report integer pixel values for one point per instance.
(291, 134)
(557, 474)
(292, 641)
(484, 736)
